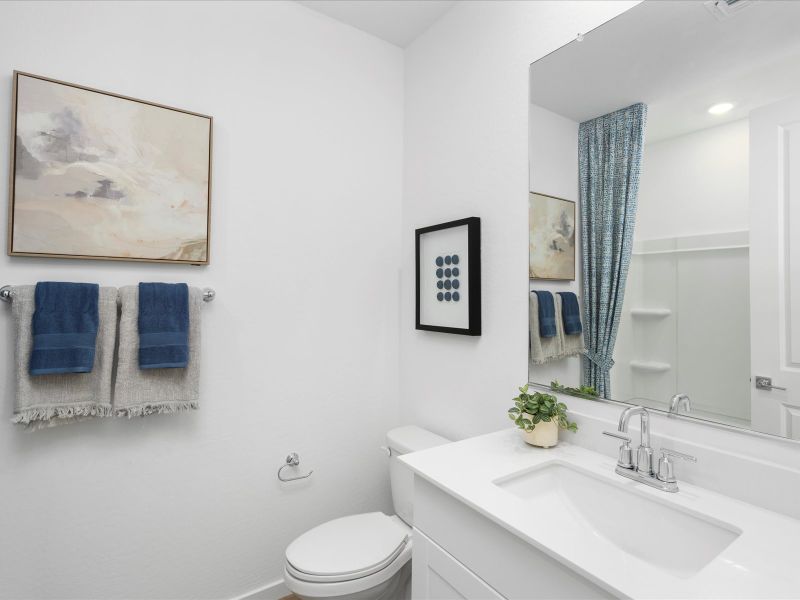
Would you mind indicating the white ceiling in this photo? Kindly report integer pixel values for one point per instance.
(399, 22)
(679, 59)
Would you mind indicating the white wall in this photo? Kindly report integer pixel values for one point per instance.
(466, 154)
(305, 248)
(711, 195)
(553, 168)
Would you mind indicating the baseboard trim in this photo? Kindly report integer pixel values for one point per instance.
(271, 591)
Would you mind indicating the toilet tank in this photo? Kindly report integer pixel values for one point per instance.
(403, 440)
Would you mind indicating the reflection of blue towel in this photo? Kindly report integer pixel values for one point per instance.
(547, 314)
(163, 325)
(65, 324)
(570, 313)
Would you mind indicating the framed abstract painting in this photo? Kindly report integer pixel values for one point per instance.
(98, 175)
(448, 271)
(551, 237)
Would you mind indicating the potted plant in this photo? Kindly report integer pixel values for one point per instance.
(539, 416)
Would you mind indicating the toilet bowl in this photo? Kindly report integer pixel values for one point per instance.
(364, 556)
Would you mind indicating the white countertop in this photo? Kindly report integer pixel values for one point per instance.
(763, 562)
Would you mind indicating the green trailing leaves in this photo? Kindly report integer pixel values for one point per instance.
(531, 409)
(584, 391)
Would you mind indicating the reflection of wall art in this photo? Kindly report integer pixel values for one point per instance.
(102, 176)
(551, 237)
(449, 277)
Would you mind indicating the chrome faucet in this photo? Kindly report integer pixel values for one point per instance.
(642, 471)
(678, 402)
(644, 454)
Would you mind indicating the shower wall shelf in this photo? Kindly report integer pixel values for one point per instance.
(684, 250)
(656, 313)
(706, 242)
(650, 366)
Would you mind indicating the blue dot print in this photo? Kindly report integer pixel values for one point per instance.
(445, 270)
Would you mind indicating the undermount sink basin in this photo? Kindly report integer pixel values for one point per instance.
(660, 533)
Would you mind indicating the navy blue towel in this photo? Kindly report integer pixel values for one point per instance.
(163, 325)
(570, 313)
(65, 322)
(547, 314)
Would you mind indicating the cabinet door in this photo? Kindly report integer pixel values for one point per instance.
(436, 575)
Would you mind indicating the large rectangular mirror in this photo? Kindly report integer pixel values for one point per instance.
(665, 213)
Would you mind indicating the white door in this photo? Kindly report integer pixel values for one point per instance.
(775, 266)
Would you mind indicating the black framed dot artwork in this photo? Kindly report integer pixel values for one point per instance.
(449, 277)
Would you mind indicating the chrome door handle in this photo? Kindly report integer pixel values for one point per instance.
(765, 383)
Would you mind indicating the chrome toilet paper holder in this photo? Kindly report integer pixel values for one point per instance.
(292, 460)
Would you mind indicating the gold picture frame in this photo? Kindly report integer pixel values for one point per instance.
(135, 199)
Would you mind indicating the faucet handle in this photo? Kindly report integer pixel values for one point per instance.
(676, 454)
(625, 459)
(666, 471)
(619, 436)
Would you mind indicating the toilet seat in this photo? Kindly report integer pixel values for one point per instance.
(349, 576)
(347, 555)
(347, 548)
(353, 588)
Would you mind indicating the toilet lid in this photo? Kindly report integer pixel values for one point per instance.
(350, 547)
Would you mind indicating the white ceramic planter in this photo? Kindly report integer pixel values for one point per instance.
(544, 435)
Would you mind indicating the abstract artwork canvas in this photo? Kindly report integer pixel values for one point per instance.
(102, 176)
(551, 237)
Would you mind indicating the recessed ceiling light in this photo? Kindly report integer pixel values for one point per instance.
(721, 108)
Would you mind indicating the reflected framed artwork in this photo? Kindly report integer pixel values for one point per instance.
(97, 175)
(551, 225)
(448, 269)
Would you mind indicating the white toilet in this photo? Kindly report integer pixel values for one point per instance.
(366, 556)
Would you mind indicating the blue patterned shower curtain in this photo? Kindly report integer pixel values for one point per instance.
(610, 155)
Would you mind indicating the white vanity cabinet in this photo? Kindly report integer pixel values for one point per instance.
(459, 553)
(496, 518)
(436, 574)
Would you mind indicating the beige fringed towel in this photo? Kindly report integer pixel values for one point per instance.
(139, 392)
(571, 345)
(47, 400)
(544, 350)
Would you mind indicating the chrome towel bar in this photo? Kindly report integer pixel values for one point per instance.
(5, 294)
